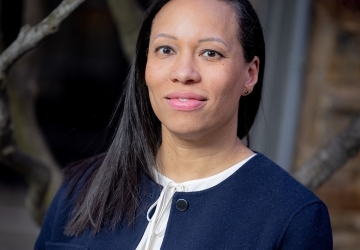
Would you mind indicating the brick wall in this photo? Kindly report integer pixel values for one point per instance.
(331, 98)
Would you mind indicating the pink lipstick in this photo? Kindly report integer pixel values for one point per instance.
(185, 101)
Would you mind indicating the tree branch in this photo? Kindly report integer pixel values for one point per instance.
(332, 157)
(36, 172)
(128, 16)
(29, 37)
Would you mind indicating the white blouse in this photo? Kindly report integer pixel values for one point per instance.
(155, 230)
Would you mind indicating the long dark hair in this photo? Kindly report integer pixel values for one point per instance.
(111, 189)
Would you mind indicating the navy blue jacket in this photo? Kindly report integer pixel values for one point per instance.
(260, 207)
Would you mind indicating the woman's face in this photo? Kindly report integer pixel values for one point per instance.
(196, 72)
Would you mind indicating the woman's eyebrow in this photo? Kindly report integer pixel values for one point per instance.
(212, 39)
(165, 35)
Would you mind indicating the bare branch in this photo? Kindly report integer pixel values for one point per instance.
(128, 16)
(36, 172)
(332, 157)
(29, 36)
(5, 123)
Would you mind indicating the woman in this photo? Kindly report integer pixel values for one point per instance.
(177, 175)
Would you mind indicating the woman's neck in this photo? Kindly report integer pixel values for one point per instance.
(183, 160)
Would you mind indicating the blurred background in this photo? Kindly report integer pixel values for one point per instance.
(62, 95)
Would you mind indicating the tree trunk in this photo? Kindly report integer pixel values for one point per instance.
(23, 91)
(37, 164)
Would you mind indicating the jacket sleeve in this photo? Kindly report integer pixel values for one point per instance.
(48, 223)
(309, 229)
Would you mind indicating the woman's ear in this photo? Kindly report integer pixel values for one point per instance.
(252, 73)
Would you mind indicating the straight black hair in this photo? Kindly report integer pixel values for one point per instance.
(109, 190)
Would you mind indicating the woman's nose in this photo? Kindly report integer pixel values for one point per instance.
(184, 70)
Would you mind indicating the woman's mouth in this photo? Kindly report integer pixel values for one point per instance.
(185, 101)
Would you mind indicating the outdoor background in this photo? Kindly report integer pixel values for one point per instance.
(62, 95)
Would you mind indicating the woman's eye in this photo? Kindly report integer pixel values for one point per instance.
(212, 54)
(164, 50)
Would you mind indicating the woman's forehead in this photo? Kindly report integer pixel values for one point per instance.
(195, 18)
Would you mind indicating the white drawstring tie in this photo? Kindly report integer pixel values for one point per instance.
(162, 204)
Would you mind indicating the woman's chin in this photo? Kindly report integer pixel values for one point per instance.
(183, 131)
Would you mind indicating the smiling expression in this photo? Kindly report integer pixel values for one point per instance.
(196, 71)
